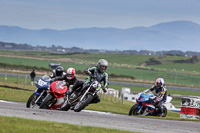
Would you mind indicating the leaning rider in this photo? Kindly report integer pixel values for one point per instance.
(98, 73)
(160, 92)
(59, 71)
(70, 79)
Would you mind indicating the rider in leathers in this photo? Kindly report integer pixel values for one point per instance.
(70, 78)
(98, 73)
(160, 92)
(58, 72)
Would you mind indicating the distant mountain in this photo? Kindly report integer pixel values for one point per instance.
(176, 35)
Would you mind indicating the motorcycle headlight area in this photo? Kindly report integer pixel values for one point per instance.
(95, 84)
(138, 96)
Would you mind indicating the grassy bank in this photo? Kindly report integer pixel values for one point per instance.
(134, 66)
(20, 125)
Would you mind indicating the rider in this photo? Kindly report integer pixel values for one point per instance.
(59, 71)
(160, 93)
(70, 79)
(98, 73)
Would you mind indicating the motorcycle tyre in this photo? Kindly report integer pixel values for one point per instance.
(31, 99)
(133, 110)
(84, 103)
(47, 101)
(164, 112)
(65, 106)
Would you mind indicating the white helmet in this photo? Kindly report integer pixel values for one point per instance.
(102, 65)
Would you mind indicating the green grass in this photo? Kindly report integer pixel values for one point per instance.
(20, 125)
(106, 105)
(19, 80)
(140, 89)
(112, 58)
(14, 95)
(179, 67)
(119, 64)
(170, 77)
(38, 63)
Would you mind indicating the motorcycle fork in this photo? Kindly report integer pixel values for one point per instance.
(140, 110)
(85, 93)
(54, 98)
(39, 96)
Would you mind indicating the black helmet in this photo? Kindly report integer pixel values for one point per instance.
(102, 65)
(59, 70)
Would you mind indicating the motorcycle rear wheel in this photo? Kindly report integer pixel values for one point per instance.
(82, 104)
(48, 100)
(31, 101)
(133, 110)
(164, 111)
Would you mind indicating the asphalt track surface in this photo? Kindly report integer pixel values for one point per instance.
(100, 119)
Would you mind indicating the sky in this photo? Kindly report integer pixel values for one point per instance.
(71, 14)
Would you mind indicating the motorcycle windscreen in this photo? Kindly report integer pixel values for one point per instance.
(58, 87)
(42, 84)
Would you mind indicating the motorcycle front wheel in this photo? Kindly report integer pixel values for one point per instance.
(82, 104)
(48, 100)
(65, 106)
(31, 101)
(133, 110)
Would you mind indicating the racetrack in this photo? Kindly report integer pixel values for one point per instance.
(100, 119)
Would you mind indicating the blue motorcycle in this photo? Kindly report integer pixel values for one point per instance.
(40, 93)
(144, 106)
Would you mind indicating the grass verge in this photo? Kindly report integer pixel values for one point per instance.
(20, 125)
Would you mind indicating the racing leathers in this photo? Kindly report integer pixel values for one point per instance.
(102, 77)
(75, 82)
(161, 96)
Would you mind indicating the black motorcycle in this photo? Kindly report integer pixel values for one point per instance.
(79, 99)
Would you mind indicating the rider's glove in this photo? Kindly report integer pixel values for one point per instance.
(51, 80)
(104, 89)
(91, 76)
(68, 92)
(152, 99)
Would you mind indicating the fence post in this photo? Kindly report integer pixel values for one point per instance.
(5, 78)
(25, 81)
(122, 98)
(17, 78)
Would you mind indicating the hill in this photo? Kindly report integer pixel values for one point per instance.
(176, 35)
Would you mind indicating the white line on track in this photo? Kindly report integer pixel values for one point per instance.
(89, 111)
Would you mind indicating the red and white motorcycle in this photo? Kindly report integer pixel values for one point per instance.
(56, 96)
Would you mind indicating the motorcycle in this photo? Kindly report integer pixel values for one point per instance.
(144, 106)
(56, 95)
(40, 93)
(78, 100)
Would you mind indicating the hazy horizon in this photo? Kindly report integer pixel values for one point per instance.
(71, 14)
